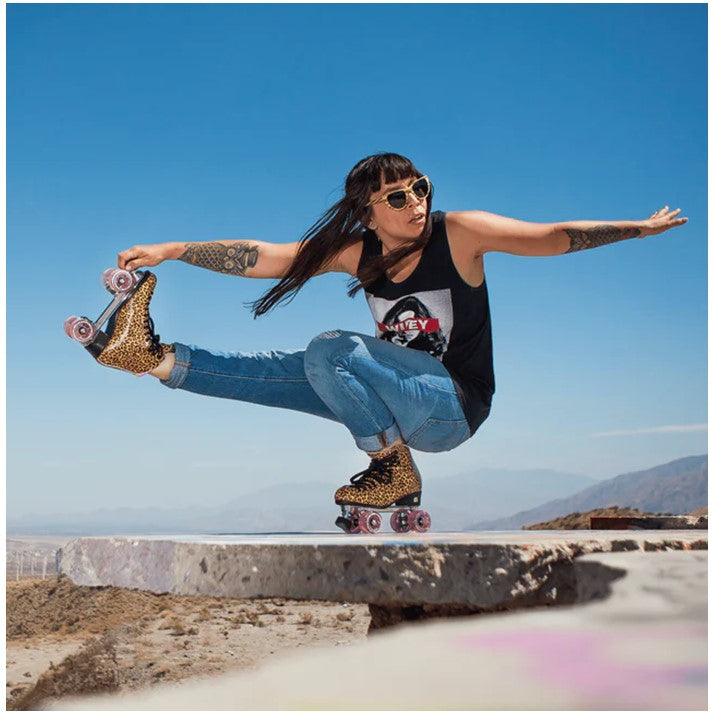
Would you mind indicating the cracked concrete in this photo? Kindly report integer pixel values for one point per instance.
(483, 572)
(639, 643)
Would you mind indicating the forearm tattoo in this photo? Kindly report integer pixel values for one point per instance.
(233, 259)
(597, 236)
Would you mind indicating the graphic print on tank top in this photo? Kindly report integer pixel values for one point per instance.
(422, 320)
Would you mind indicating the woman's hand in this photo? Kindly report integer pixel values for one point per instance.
(140, 256)
(660, 221)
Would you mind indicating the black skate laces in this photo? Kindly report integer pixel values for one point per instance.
(155, 347)
(377, 473)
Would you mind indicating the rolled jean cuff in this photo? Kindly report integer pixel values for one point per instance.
(373, 443)
(179, 371)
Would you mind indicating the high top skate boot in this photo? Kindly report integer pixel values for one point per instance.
(129, 342)
(391, 482)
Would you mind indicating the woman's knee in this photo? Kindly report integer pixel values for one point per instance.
(328, 348)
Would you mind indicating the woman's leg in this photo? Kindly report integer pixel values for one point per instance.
(384, 393)
(275, 378)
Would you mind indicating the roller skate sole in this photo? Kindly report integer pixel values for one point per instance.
(122, 284)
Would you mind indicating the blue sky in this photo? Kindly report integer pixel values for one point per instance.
(149, 123)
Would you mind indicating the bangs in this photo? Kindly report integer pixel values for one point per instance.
(392, 167)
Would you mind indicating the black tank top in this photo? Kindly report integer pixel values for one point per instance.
(436, 311)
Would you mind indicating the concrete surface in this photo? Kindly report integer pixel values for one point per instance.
(643, 647)
(481, 571)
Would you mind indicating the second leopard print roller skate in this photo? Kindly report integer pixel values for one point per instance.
(129, 342)
(391, 484)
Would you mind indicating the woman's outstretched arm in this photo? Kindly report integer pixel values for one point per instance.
(242, 258)
(490, 232)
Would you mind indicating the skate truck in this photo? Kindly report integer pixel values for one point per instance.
(120, 283)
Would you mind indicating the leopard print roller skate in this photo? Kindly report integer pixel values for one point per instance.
(129, 342)
(390, 484)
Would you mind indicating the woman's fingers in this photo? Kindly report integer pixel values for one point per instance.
(130, 259)
(124, 259)
(668, 215)
(140, 256)
(673, 220)
(663, 220)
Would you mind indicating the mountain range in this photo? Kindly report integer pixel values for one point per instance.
(677, 487)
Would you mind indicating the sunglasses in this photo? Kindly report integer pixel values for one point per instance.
(398, 199)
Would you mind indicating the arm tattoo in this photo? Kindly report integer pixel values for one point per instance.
(597, 236)
(232, 259)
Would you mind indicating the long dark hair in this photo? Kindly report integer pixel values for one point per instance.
(343, 225)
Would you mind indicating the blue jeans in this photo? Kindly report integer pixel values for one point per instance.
(378, 390)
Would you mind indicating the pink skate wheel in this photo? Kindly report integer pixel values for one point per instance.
(419, 521)
(83, 330)
(106, 276)
(400, 521)
(369, 522)
(117, 280)
(68, 323)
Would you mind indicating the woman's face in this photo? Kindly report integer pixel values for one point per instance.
(405, 224)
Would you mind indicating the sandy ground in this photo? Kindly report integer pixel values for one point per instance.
(66, 640)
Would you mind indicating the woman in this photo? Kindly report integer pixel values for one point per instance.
(423, 276)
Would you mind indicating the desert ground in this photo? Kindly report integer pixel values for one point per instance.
(63, 639)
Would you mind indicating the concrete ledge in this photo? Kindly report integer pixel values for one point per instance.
(482, 572)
